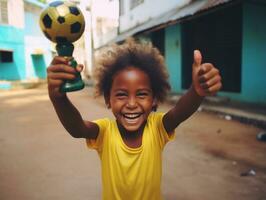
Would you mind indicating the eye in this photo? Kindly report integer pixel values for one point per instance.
(142, 94)
(121, 95)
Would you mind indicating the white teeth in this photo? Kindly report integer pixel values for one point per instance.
(131, 116)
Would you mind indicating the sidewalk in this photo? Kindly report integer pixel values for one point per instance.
(244, 112)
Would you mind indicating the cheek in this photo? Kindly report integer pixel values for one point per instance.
(116, 105)
(147, 104)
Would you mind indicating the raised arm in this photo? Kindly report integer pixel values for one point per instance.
(206, 81)
(57, 72)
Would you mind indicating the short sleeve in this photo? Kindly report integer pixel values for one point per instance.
(97, 143)
(164, 137)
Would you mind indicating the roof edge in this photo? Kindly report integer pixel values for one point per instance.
(36, 3)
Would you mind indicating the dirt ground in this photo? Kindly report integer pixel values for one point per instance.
(40, 161)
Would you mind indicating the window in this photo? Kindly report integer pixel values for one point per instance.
(135, 3)
(3, 12)
(6, 56)
(121, 7)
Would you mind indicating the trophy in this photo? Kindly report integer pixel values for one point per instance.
(63, 23)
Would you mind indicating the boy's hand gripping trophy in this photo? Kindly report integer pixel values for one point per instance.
(63, 23)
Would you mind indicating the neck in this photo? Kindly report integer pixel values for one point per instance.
(130, 134)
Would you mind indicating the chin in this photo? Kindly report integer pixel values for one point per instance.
(132, 128)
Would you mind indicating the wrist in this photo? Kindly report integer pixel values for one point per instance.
(193, 90)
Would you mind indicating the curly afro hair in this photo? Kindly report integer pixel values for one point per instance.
(131, 53)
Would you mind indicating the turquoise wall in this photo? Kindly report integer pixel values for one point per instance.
(253, 53)
(253, 68)
(39, 66)
(173, 56)
(12, 38)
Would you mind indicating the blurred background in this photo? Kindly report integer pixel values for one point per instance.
(220, 153)
(230, 34)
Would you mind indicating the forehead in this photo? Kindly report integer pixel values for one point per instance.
(131, 77)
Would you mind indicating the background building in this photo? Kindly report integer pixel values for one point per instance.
(230, 34)
(24, 53)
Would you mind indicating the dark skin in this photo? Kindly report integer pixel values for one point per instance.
(131, 139)
(131, 99)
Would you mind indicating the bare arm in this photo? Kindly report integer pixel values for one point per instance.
(206, 81)
(69, 116)
(72, 120)
(183, 109)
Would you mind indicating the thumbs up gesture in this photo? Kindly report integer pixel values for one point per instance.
(206, 78)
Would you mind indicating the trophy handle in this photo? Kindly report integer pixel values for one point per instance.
(66, 50)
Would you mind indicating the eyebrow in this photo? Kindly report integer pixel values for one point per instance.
(144, 89)
(120, 90)
(140, 89)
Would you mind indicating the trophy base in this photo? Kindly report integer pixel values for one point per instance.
(66, 50)
(71, 86)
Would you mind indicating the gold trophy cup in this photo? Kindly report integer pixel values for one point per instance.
(63, 23)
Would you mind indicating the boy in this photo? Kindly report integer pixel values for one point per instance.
(132, 78)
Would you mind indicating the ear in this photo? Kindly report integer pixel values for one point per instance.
(154, 104)
(107, 101)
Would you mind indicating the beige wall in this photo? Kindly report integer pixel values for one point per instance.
(16, 13)
(146, 11)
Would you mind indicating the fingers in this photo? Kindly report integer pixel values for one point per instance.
(79, 68)
(197, 58)
(60, 60)
(60, 70)
(61, 75)
(213, 81)
(206, 78)
(213, 89)
(210, 80)
(57, 74)
(206, 72)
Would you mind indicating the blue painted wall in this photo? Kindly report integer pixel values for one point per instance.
(253, 53)
(253, 68)
(173, 56)
(12, 38)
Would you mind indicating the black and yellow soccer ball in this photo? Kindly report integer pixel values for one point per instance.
(62, 22)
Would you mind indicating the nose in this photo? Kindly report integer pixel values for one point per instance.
(132, 102)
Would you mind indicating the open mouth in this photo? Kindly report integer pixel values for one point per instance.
(132, 117)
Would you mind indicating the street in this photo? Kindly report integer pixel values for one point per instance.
(39, 160)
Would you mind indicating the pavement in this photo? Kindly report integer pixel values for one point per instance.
(210, 158)
(248, 113)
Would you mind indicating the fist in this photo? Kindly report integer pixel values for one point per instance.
(206, 78)
(59, 71)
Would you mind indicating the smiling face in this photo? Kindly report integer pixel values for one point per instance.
(131, 98)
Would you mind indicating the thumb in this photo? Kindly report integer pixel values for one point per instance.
(79, 67)
(197, 58)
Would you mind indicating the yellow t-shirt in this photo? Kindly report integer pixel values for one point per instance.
(131, 173)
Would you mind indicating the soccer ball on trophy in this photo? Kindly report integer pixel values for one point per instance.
(63, 23)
